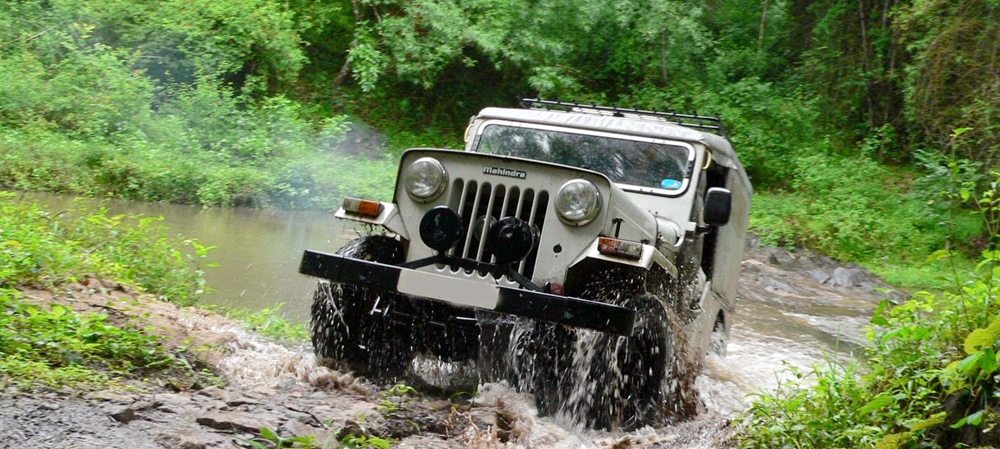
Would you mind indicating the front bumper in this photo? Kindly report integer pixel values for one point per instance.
(570, 311)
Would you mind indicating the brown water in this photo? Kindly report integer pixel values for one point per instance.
(785, 315)
(258, 251)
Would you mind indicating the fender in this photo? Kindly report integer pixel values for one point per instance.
(650, 255)
(389, 219)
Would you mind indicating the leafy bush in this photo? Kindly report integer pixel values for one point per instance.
(56, 346)
(42, 248)
(269, 322)
(930, 375)
(832, 207)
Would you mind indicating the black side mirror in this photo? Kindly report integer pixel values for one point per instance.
(718, 206)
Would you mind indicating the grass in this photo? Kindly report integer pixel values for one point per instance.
(930, 376)
(54, 346)
(270, 322)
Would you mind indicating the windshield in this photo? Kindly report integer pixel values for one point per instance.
(637, 162)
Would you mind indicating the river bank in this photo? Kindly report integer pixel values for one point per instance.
(280, 388)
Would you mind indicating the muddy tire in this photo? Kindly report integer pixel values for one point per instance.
(630, 373)
(344, 331)
(605, 381)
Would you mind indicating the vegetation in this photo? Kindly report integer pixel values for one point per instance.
(284, 103)
(865, 126)
(54, 346)
(269, 322)
(930, 377)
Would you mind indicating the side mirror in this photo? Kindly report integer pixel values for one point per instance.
(718, 206)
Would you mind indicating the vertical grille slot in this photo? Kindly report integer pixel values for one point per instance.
(481, 205)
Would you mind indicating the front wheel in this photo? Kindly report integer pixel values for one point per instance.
(630, 373)
(349, 329)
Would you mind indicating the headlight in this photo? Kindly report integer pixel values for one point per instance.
(425, 179)
(578, 202)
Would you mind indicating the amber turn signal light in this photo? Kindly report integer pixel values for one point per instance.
(620, 248)
(359, 206)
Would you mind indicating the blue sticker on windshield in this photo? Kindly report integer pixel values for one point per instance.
(670, 184)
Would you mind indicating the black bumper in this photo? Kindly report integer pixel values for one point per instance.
(570, 311)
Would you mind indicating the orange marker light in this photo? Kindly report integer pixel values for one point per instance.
(359, 206)
(620, 248)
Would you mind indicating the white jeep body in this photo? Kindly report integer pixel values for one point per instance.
(627, 222)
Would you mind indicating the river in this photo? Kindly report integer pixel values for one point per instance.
(790, 312)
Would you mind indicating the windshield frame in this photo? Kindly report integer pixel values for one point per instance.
(688, 171)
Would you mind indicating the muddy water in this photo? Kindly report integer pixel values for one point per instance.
(258, 251)
(791, 312)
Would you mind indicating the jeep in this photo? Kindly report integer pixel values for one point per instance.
(586, 254)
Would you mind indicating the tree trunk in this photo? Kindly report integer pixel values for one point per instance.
(763, 25)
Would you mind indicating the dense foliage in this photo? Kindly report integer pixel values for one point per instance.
(930, 375)
(864, 124)
(264, 103)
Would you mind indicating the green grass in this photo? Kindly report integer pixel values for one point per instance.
(54, 346)
(271, 323)
(47, 249)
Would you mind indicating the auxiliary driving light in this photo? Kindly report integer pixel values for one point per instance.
(511, 239)
(440, 228)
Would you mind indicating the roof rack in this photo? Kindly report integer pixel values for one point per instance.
(702, 122)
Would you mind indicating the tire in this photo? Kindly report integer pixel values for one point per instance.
(344, 332)
(611, 382)
(629, 373)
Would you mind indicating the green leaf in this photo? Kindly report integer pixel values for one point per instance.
(940, 254)
(971, 361)
(959, 131)
(976, 418)
(269, 434)
(935, 420)
(877, 403)
(988, 363)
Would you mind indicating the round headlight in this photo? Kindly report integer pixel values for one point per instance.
(425, 179)
(578, 202)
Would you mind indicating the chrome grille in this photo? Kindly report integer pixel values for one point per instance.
(480, 204)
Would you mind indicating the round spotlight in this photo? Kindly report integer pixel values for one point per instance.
(440, 228)
(511, 239)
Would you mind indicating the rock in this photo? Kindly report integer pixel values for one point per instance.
(322, 437)
(122, 414)
(214, 392)
(238, 421)
(173, 398)
(778, 256)
(848, 277)
(108, 396)
(179, 442)
(820, 276)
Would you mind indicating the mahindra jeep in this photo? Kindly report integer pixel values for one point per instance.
(587, 254)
